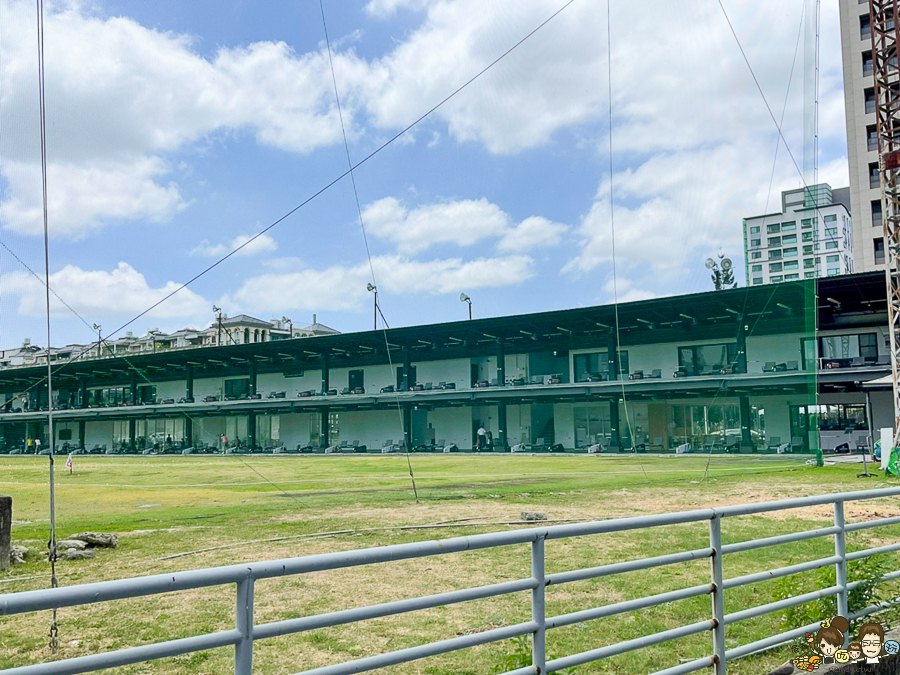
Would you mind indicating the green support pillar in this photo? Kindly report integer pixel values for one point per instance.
(744, 409)
(407, 425)
(189, 384)
(253, 375)
(132, 431)
(501, 425)
(407, 369)
(612, 353)
(740, 365)
(134, 387)
(501, 363)
(325, 378)
(81, 433)
(188, 432)
(324, 425)
(251, 430)
(615, 438)
(83, 393)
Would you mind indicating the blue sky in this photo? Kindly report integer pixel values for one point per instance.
(177, 130)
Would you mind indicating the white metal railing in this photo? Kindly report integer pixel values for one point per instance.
(246, 631)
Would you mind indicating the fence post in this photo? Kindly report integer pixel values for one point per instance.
(538, 613)
(840, 567)
(718, 600)
(243, 650)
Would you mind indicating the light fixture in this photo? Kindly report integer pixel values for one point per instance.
(465, 298)
(372, 288)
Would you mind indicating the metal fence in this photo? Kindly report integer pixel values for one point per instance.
(246, 632)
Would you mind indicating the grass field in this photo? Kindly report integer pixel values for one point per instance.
(163, 506)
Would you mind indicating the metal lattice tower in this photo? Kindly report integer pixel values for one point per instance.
(885, 40)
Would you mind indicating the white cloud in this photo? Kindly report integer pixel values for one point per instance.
(121, 97)
(463, 223)
(622, 289)
(343, 288)
(384, 8)
(262, 244)
(82, 196)
(531, 233)
(122, 292)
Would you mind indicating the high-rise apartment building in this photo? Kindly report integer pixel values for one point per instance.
(812, 236)
(862, 141)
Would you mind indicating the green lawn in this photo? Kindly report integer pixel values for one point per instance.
(163, 506)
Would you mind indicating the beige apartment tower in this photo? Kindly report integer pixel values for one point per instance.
(862, 144)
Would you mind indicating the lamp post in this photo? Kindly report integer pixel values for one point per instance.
(153, 335)
(722, 272)
(97, 327)
(218, 312)
(285, 320)
(465, 298)
(372, 288)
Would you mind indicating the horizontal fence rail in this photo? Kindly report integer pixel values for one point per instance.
(244, 577)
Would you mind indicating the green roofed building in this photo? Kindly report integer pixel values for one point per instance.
(774, 368)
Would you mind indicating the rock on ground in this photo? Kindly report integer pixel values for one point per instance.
(64, 544)
(97, 539)
(533, 515)
(17, 554)
(74, 554)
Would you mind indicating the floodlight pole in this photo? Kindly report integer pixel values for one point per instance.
(885, 40)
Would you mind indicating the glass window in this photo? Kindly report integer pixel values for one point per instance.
(831, 245)
(833, 272)
(592, 425)
(755, 242)
(790, 252)
(832, 258)
(238, 388)
(775, 278)
(792, 265)
(867, 65)
(708, 359)
(870, 100)
(756, 268)
(789, 227)
(789, 239)
(774, 241)
(874, 175)
(755, 255)
(806, 223)
(596, 364)
(830, 219)
(809, 275)
(791, 277)
(878, 247)
(849, 346)
(807, 236)
(877, 220)
(773, 228)
(774, 267)
(757, 281)
(754, 229)
(809, 263)
(830, 231)
(808, 250)
(775, 255)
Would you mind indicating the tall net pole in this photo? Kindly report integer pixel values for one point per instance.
(885, 38)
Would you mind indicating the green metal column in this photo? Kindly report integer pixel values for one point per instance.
(613, 358)
(134, 387)
(81, 433)
(501, 425)
(741, 361)
(188, 432)
(501, 364)
(189, 383)
(324, 426)
(407, 368)
(253, 374)
(744, 406)
(83, 392)
(614, 436)
(251, 429)
(407, 425)
(132, 431)
(325, 379)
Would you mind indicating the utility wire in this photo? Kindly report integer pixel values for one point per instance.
(405, 433)
(51, 544)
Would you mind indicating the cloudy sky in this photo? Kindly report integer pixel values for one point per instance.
(178, 130)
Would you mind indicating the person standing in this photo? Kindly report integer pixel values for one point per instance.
(481, 438)
(29, 444)
(37, 446)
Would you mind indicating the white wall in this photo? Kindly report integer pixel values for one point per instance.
(453, 425)
(374, 377)
(449, 370)
(172, 389)
(650, 357)
(269, 382)
(295, 428)
(208, 386)
(208, 430)
(777, 348)
(564, 424)
(370, 427)
(517, 366)
(97, 432)
(518, 424)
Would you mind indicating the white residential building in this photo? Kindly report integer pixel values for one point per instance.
(862, 142)
(812, 236)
